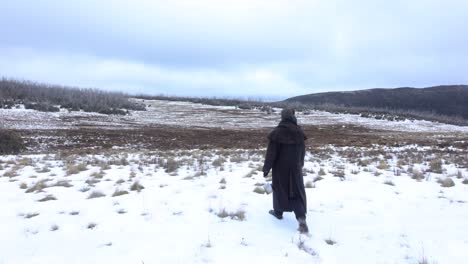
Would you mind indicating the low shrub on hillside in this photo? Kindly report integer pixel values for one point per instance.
(10, 142)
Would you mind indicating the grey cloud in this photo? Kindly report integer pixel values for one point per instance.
(257, 47)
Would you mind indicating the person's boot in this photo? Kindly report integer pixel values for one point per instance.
(278, 216)
(303, 228)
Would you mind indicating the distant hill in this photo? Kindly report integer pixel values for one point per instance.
(446, 100)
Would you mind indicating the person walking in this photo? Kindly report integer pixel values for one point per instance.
(285, 157)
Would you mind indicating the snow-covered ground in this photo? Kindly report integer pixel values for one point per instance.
(198, 115)
(200, 207)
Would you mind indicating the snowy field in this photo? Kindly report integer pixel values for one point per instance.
(208, 206)
(197, 115)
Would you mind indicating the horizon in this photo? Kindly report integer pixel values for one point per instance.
(226, 97)
(249, 49)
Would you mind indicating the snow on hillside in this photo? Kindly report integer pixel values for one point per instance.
(200, 207)
(198, 115)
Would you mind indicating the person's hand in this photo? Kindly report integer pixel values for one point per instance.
(265, 174)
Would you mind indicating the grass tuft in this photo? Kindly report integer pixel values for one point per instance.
(96, 194)
(49, 197)
(119, 193)
(136, 186)
(447, 182)
(259, 190)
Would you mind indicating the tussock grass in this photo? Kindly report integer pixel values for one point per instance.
(49, 197)
(435, 165)
(309, 184)
(237, 215)
(13, 172)
(23, 185)
(418, 175)
(91, 225)
(85, 189)
(38, 186)
(317, 178)
(383, 165)
(31, 215)
(98, 175)
(219, 162)
(25, 162)
(363, 162)
(322, 172)
(136, 186)
(44, 169)
(389, 182)
(62, 183)
(330, 241)
(222, 181)
(171, 165)
(119, 193)
(259, 190)
(54, 228)
(96, 194)
(92, 181)
(121, 211)
(74, 213)
(339, 173)
(75, 169)
(447, 182)
(465, 181)
(119, 181)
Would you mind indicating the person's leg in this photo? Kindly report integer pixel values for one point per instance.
(301, 219)
(277, 214)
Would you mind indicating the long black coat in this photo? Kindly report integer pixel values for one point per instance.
(285, 155)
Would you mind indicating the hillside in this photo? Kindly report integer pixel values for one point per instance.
(448, 100)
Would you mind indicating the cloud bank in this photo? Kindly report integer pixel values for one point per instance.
(257, 48)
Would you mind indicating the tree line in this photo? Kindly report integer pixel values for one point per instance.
(51, 98)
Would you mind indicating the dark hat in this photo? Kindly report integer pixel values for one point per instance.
(288, 113)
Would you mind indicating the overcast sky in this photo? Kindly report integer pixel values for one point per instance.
(235, 48)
